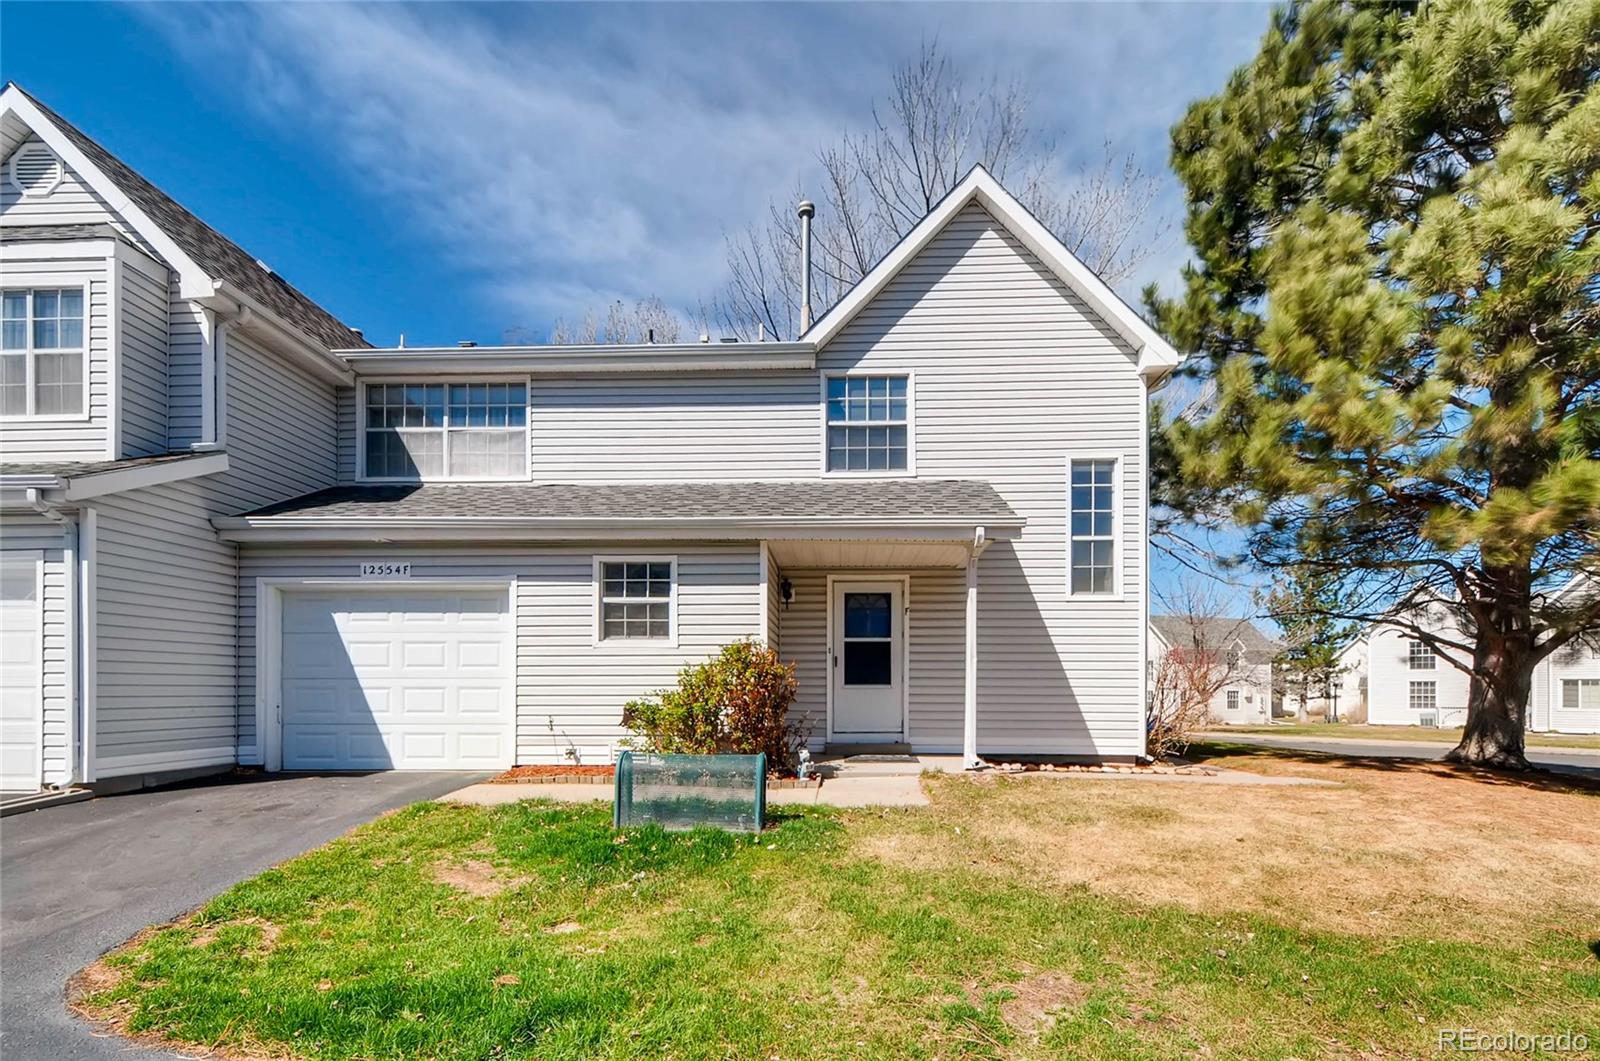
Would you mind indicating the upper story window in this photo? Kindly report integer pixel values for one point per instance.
(1420, 656)
(42, 352)
(1091, 526)
(868, 424)
(446, 431)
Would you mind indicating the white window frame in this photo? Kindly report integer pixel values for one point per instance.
(28, 283)
(1234, 700)
(1116, 592)
(360, 427)
(1411, 695)
(1580, 683)
(910, 470)
(1413, 657)
(632, 644)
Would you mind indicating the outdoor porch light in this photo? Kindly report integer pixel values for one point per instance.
(786, 592)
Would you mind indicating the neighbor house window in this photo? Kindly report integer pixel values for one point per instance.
(42, 352)
(868, 423)
(635, 599)
(1091, 526)
(1424, 696)
(1580, 694)
(1420, 656)
(446, 430)
(1233, 699)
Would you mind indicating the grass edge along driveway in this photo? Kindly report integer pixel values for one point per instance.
(532, 930)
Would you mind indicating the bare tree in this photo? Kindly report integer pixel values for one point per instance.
(646, 321)
(932, 128)
(1201, 660)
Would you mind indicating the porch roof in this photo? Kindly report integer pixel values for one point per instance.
(898, 509)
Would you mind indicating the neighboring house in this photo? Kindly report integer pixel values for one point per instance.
(1566, 684)
(1244, 657)
(235, 533)
(1408, 683)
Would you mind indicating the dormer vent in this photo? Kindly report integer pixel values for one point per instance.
(35, 170)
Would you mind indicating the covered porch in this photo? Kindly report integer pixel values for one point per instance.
(884, 635)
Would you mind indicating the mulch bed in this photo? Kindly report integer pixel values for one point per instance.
(572, 774)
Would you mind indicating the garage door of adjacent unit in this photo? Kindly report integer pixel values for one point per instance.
(21, 673)
(417, 679)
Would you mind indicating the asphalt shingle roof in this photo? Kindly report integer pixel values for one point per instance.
(50, 233)
(73, 469)
(1214, 634)
(845, 500)
(215, 253)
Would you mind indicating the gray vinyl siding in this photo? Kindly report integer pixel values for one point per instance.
(72, 202)
(1013, 375)
(33, 533)
(188, 328)
(570, 691)
(167, 588)
(936, 655)
(143, 308)
(76, 438)
(345, 397)
(774, 602)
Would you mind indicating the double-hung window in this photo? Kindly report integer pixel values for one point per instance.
(1091, 526)
(446, 431)
(1424, 696)
(869, 424)
(635, 598)
(1580, 694)
(42, 352)
(1420, 656)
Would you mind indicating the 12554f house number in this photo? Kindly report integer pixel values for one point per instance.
(383, 570)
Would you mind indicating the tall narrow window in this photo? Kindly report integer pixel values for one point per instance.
(1091, 526)
(636, 600)
(446, 430)
(1420, 656)
(868, 422)
(42, 352)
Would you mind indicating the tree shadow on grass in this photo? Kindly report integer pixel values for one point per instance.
(1571, 780)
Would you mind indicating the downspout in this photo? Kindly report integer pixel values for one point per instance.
(969, 728)
(214, 378)
(75, 658)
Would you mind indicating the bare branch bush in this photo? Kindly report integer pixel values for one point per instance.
(1188, 676)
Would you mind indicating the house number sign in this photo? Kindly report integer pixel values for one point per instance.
(385, 570)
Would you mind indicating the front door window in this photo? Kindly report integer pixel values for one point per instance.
(868, 661)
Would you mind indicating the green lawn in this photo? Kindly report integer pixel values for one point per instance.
(1350, 731)
(530, 930)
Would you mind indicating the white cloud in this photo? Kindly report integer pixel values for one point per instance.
(567, 156)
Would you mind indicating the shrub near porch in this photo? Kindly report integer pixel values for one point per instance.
(531, 930)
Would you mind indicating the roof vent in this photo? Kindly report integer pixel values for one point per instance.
(35, 170)
(264, 267)
(730, 339)
(466, 344)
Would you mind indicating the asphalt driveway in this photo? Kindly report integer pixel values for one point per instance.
(76, 880)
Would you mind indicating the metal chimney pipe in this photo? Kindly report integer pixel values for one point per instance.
(807, 211)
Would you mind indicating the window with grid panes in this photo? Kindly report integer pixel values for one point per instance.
(1091, 526)
(446, 430)
(635, 600)
(42, 352)
(868, 423)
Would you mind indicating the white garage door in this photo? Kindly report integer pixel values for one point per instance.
(21, 673)
(379, 679)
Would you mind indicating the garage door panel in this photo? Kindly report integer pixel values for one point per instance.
(21, 674)
(398, 679)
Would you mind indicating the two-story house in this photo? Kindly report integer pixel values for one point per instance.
(1230, 654)
(233, 532)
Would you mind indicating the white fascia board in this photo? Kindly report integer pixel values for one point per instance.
(282, 529)
(13, 101)
(248, 315)
(569, 360)
(56, 250)
(84, 487)
(1155, 355)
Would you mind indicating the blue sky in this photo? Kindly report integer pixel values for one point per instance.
(454, 170)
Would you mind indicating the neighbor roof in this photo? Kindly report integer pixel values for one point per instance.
(212, 252)
(836, 501)
(1215, 633)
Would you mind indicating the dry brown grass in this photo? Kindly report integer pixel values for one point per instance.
(1412, 848)
(475, 877)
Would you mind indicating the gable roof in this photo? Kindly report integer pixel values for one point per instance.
(1214, 634)
(195, 242)
(1156, 357)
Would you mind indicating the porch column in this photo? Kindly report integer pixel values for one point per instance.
(969, 737)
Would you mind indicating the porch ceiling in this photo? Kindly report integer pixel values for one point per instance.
(797, 555)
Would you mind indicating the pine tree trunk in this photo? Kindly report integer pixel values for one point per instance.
(1502, 663)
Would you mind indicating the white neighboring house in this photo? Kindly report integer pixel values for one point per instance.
(1246, 697)
(1566, 684)
(236, 533)
(1408, 683)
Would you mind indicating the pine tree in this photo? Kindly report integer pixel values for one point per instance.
(1306, 605)
(1395, 213)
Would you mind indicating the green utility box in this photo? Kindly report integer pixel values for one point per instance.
(685, 791)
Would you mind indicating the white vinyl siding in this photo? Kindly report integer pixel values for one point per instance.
(188, 331)
(1566, 691)
(143, 308)
(71, 202)
(1015, 376)
(1390, 675)
(81, 435)
(570, 691)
